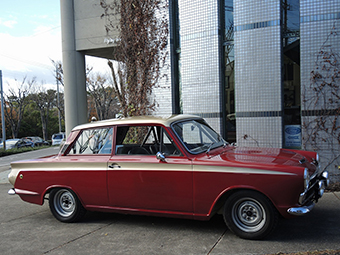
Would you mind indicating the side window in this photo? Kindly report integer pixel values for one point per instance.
(93, 141)
(139, 135)
(144, 140)
(136, 140)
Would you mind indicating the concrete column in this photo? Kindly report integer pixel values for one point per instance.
(74, 70)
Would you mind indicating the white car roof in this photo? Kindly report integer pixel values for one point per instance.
(166, 121)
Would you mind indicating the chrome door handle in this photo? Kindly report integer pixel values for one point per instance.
(114, 166)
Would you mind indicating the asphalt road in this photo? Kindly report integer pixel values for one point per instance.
(31, 229)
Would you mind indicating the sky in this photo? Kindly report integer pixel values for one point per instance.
(30, 37)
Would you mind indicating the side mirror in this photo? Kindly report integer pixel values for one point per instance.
(160, 156)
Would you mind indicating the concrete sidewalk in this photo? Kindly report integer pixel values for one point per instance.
(31, 229)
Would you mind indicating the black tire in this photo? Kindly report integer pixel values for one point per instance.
(250, 215)
(65, 205)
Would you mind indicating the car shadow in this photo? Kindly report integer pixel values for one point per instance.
(320, 224)
(215, 224)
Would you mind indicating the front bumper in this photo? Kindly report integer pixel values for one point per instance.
(298, 211)
(311, 195)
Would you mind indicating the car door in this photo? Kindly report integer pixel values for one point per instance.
(84, 165)
(137, 180)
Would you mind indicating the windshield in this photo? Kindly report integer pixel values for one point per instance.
(197, 136)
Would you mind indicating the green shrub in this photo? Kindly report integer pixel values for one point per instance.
(16, 151)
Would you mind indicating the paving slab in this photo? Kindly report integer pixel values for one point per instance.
(31, 229)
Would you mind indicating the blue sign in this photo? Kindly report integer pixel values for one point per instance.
(293, 136)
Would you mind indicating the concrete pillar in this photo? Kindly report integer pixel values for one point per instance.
(74, 70)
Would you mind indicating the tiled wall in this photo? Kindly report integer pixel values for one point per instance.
(199, 64)
(258, 82)
(251, 11)
(200, 59)
(318, 20)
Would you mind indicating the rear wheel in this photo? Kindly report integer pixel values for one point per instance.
(65, 205)
(250, 215)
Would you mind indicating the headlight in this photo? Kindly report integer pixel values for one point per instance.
(325, 177)
(306, 179)
(316, 161)
(322, 187)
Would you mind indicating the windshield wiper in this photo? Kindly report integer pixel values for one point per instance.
(213, 143)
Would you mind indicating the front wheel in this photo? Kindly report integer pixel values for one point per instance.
(65, 205)
(250, 215)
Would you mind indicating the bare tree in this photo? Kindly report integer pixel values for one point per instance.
(102, 96)
(322, 100)
(59, 76)
(141, 51)
(44, 101)
(16, 102)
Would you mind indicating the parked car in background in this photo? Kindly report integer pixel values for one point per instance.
(174, 167)
(17, 143)
(58, 138)
(37, 141)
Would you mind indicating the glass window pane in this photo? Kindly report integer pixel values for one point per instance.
(93, 141)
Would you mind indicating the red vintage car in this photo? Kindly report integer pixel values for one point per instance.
(174, 167)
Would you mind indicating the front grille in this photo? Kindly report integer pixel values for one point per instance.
(312, 194)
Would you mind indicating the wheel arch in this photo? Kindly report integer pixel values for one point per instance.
(50, 188)
(218, 205)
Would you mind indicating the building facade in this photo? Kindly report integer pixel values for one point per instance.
(247, 67)
(262, 73)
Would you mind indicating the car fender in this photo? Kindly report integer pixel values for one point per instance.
(58, 186)
(220, 200)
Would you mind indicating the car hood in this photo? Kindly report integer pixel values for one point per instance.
(256, 157)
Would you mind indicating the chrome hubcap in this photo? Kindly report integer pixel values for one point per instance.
(64, 203)
(248, 215)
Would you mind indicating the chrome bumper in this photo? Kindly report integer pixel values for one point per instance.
(313, 193)
(315, 189)
(297, 211)
(11, 192)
